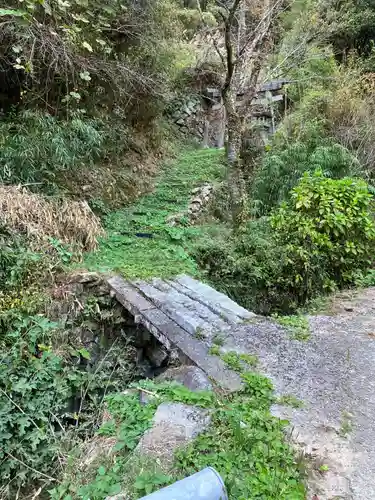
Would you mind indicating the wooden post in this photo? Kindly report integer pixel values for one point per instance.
(205, 132)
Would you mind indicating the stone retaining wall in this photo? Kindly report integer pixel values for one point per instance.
(195, 117)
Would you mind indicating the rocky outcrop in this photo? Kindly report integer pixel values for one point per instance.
(200, 198)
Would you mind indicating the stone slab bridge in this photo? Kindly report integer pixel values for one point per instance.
(185, 315)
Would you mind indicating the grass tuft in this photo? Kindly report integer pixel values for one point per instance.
(297, 324)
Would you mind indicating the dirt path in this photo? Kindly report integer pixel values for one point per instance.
(333, 374)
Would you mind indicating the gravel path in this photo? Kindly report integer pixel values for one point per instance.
(333, 374)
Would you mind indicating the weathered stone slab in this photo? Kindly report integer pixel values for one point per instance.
(216, 301)
(185, 307)
(174, 425)
(225, 316)
(190, 376)
(215, 368)
(197, 352)
(156, 322)
(192, 316)
(128, 296)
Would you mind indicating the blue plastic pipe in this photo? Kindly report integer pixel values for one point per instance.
(203, 485)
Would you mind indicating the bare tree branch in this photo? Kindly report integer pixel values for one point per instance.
(214, 41)
(260, 31)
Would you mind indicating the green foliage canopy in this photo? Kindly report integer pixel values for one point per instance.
(283, 165)
(61, 54)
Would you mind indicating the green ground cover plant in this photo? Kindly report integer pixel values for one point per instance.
(244, 443)
(141, 243)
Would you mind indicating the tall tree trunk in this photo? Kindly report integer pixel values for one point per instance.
(234, 126)
(246, 48)
(222, 128)
(236, 184)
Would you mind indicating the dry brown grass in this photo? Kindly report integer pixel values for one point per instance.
(350, 112)
(71, 222)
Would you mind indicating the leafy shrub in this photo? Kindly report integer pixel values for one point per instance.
(322, 238)
(366, 280)
(35, 386)
(281, 168)
(349, 26)
(245, 444)
(340, 111)
(79, 157)
(16, 260)
(35, 147)
(247, 268)
(23, 273)
(328, 231)
(19, 302)
(314, 71)
(71, 56)
(329, 102)
(52, 388)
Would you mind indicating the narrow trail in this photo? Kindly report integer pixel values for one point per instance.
(140, 242)
(333, 374)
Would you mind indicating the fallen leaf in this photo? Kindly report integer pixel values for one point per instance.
(87, 46)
